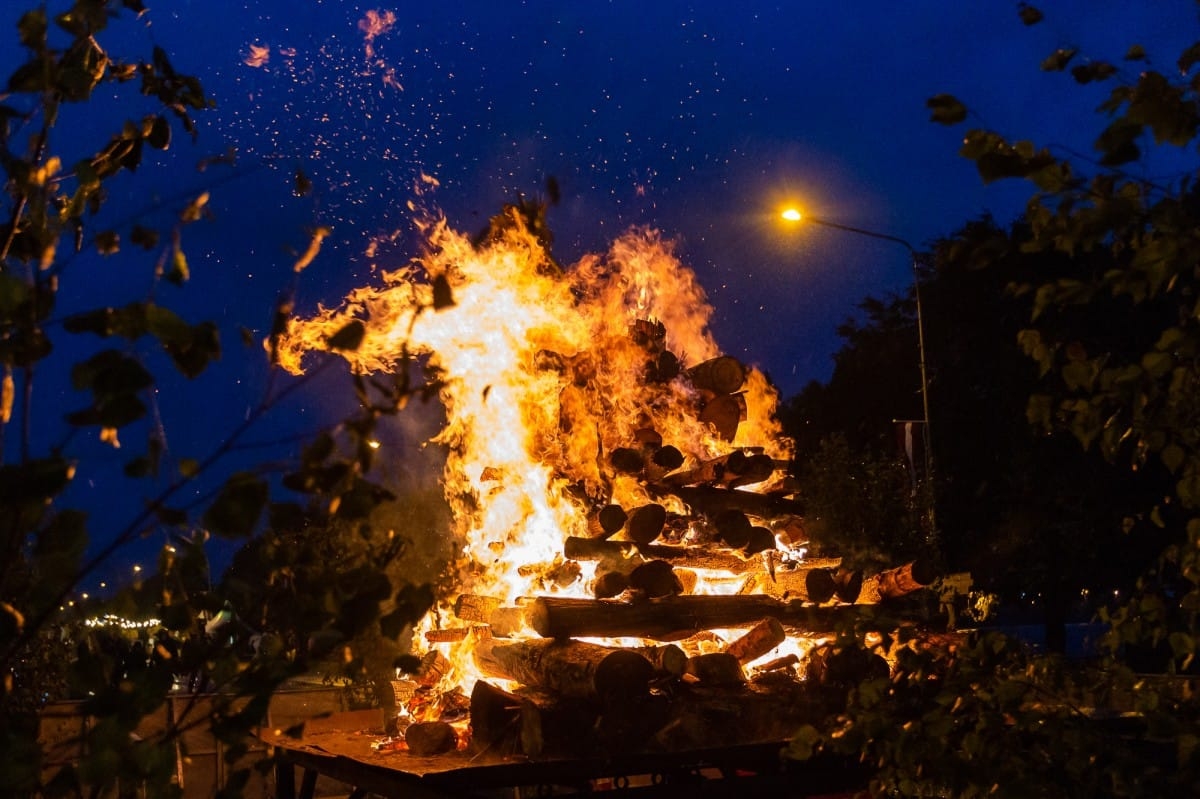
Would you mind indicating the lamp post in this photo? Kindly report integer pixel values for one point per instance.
(793, 215)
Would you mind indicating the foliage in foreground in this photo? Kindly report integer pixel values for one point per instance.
(126, 363)
(1110, 269)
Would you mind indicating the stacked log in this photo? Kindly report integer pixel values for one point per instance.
(708, 669)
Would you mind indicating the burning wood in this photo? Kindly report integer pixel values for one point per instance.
(598, 441)
(570, 668)
(758, 641)
(672, 618)
(900, 581)
(693, 557)
(710, 500)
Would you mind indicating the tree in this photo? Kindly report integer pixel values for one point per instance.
(861, 497)
(1106, 264)
(120, 358)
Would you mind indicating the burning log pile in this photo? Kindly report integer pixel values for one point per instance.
(634, 571)
(697, 673)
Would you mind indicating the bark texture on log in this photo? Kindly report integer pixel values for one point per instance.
(674, 618)
(758, 641)
(430, 738)
(738, 468)
(721, 375)
(709, 500)
(655, 579)
(495, 714)
(844, 668)
(645, 523)
(571, 668)
(716, 668)
(789, 583)
(577, 548)
(905, 579)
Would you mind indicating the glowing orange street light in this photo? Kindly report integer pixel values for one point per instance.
(794, 215)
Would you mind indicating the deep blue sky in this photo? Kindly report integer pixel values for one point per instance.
(698, 118)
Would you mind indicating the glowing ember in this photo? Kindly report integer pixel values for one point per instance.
(257, 56)
(373, 24)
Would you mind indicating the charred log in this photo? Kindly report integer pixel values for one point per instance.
(710, 501)
(570, 668)
(724, 414)
(675, 618)
(495, 717)
(645, 523)
(738, 468)
(716, 668)
(430, 738)
(843, 668)
(607, 521)
(902, 580)
(720, 375)
(655, 579)
(577, 548)
(609, 584)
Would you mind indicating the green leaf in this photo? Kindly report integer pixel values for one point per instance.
(110, 372)
(803, 745)
(1058, 60)
(171, 517)
(1188, 487)
(1171, 116)
(1079, 375)
(1135, 53)
(1189, 58)
(412, 602)
(32, 29)
(349, 338)
(317, 451)
(84, 19)
(108, 242)
(113, 411)
(159, 136)
(238, 506)
(37, 481)
(1118, 142)
(179, 272)
(1182, 644)
(1157, 364)
(33, 77)
(14, 293)
(946, 109)
(1173, 457)
(191, 347)
(1029, 14)
(144, 237)
(1095, 71)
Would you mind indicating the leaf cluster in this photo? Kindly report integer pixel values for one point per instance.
(1105, 265)
(304, 601)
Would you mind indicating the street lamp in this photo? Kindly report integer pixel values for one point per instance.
(794, 215)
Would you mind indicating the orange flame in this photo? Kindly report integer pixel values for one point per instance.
(545, 373)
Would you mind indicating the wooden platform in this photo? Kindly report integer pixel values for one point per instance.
(340, 747)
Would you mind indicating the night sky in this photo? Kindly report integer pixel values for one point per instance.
(696, 118)
(700, 119)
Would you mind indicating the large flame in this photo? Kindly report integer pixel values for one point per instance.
(546, 372)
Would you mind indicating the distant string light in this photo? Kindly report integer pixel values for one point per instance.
(112, 620)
